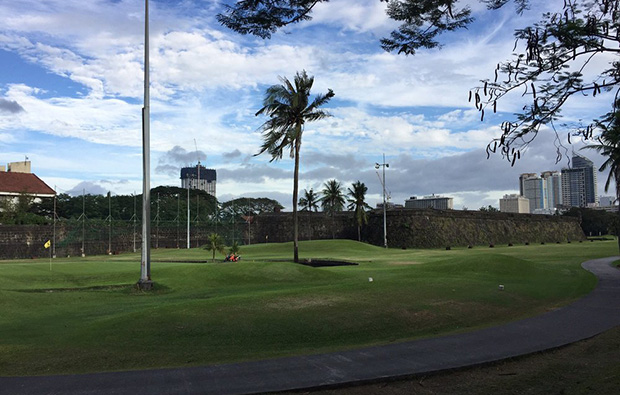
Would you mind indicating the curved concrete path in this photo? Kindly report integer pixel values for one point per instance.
(587, 317)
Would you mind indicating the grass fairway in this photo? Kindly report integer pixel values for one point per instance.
(85, 315)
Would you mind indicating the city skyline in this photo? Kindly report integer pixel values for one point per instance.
(70, 99)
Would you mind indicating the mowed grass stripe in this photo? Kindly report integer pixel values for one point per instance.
(84, 316)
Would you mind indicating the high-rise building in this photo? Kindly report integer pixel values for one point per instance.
(535, 189)
(573, 187)
(514, 204)
(522, 178)
(579, 183)
(200, 178)
(553, 180)
(437, 202)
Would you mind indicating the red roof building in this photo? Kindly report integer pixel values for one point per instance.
(16, 184)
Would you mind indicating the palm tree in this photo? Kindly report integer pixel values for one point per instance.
(609, 146)
(215, 244)
(310, 201)
(357, 203)
(288, 108)
(332, 200)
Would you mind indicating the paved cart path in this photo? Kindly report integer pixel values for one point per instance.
(587, 317)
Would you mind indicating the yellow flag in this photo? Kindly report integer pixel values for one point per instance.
(47, 244)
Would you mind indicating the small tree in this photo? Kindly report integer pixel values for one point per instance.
(234, 248)
(215, 244)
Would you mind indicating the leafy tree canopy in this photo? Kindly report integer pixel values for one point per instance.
(489, 209)
(172, 203)
(593, 222)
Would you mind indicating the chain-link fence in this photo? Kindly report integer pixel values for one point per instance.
(97, 237)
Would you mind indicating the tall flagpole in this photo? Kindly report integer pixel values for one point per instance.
(145, 268)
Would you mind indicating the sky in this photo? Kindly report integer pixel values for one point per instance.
(72, 88)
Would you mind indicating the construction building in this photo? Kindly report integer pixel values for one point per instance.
(199, 177)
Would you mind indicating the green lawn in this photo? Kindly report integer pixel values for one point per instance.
(85, 315)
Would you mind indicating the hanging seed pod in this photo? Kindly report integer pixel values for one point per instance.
(469, 100)
(482, 116)
(533, 90)
(514, 159)
(518, 154)
(485, 88)
(569, 138)
(494, 106)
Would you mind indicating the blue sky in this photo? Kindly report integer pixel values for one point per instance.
(71, 97)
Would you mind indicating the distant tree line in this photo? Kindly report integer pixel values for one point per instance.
(169, 204)
(595, 222)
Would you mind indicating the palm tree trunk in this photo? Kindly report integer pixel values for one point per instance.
(617, 179)
(617, 230)
(295, 192)
(359, 233)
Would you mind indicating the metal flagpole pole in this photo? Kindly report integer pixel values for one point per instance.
(54, 236)
(145, 268)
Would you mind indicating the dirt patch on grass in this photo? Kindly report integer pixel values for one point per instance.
(326, 263)
(404, 263)
(110, 287)
(303, 303)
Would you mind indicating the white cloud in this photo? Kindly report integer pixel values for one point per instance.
(207, 83)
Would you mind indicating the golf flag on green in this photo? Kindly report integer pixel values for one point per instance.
(47, 244)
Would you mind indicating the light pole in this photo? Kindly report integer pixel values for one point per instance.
(188, 183)
(384, 165)
(145, 268)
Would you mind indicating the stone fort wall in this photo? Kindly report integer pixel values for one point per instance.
(411, 228)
